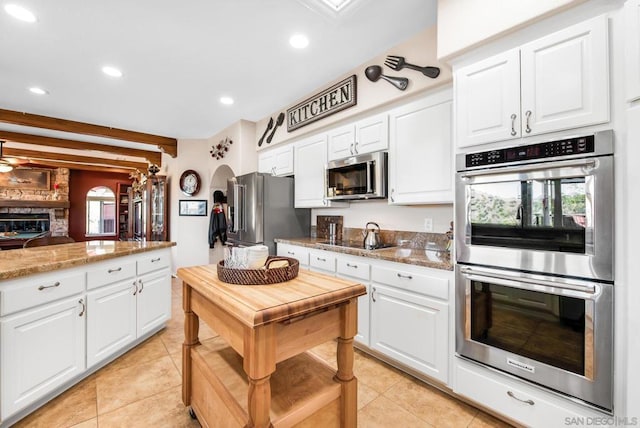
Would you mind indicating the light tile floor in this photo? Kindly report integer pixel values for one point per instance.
(143, 389)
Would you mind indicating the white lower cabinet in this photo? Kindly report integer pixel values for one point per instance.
(356, 268)
(153, 301)
(521, 402)
(408, 323)
(42, 349)
(111, 320)
(56, 327)
(322, 261)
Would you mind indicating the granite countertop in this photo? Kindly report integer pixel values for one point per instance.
(401, 254)
(28, 261)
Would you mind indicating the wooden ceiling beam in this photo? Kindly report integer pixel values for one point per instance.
(17, 137)
(72, 159)
(70, 165)
(166, 144)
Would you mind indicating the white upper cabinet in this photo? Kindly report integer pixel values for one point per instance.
(565, 79)
(557, 82)
(364, 136)
(632, 49)
(488, 99)
(310, 158)
(277, 161)
(420, 151)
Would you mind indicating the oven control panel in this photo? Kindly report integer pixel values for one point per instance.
(560, 148)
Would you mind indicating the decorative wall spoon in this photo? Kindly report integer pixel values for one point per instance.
(279, 122)
(374, 73)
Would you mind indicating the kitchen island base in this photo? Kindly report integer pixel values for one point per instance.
(257, 372)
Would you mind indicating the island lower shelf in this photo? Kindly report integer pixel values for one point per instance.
(300, 386)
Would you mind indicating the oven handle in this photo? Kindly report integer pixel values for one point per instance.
(511, 281)
(588, 164)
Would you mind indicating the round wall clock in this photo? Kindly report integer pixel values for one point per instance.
(189, 182)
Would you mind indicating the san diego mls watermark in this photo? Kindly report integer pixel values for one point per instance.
(601, 421)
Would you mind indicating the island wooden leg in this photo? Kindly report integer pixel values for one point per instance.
(345, 357)
(191, 327)
(259, 363)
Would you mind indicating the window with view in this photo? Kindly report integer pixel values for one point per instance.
(101, 211)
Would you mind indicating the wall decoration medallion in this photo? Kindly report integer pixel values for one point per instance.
(338, 97)
(189, 182)
(219, 150)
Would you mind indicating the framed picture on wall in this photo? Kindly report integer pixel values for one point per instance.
(26, 179)
(192, 207)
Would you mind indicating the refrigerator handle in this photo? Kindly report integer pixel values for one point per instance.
(238, 212)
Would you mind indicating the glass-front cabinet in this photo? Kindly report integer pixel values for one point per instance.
(149, 211)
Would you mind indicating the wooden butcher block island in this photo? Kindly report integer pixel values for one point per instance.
(257, 373)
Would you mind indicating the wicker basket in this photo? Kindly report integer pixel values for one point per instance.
(259, 276)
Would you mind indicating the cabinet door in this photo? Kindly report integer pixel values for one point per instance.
(111, 320)
(41, 350)
(565, 78)
(299, 253)
(411, 329)
(284, 161)
(372, 134)
(309, 160)
(153, 301)
(341, 142)
(632, 49)
(420, 155)
(488, 100)
(267, 162)
(355, 269)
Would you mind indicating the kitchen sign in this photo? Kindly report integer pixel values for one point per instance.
(338, 97)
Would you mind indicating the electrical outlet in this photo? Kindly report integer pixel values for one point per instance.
(428, 224)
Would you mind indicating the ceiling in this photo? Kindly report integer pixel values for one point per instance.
(180, 57)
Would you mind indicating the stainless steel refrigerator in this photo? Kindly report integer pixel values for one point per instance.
(260, 209)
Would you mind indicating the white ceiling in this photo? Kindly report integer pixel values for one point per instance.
(180, 57)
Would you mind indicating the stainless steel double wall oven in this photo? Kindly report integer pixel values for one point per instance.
(534, 272)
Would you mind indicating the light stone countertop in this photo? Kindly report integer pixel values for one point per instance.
(28, 261)
(413, 256)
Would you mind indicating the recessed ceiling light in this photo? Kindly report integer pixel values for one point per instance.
(336, 4)
(111, 71)
(20, 13)
(299, 41)
(38, 91)
(226, 100)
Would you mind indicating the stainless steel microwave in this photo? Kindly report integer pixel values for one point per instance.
(357, 177)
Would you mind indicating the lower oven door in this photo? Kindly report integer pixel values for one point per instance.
(552, 331)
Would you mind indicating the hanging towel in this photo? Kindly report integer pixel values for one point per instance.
(217, 225)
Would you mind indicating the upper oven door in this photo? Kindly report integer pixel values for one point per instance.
(554, 217)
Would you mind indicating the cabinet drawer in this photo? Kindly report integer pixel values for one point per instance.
(354, 268)
(322, 260)
(34, 291)
(411, 280)
(153, 262)
(300, 253)
(514, 399)
(110, 272)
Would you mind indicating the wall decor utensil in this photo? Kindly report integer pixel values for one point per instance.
(269, 125)
(397, 63)
(374, 73)
(279, 122)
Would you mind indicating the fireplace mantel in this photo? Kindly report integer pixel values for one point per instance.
(15, 203)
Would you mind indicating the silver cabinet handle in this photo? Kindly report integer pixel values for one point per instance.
(391, 196)
(373, 295)
(513, 125)
(114, 270)
(321, 259)
(291, 252)
(404, 276)
(528, 115)
(351, 148)
(84, 307)
(352, 266)
(355, 147)
(43, 287)
(155, 260)
(512, 395)
(141, 286)
(135, 286)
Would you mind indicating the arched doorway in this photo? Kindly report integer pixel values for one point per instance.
(219, 182)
